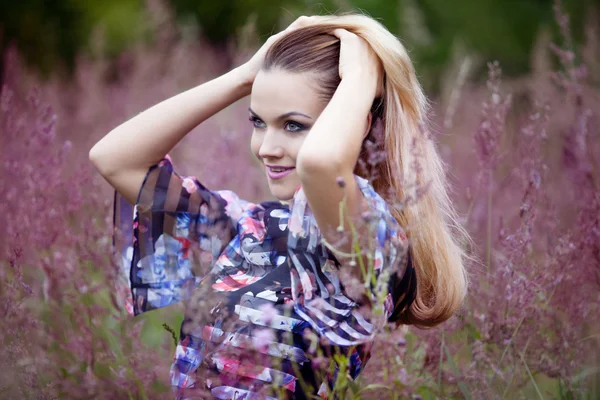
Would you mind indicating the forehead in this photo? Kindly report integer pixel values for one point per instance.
(277, 92)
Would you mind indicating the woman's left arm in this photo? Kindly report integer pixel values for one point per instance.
(331, 148)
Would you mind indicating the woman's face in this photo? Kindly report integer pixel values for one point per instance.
(283, 108)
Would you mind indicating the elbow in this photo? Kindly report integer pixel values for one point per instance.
(93, 155)
(98, 161)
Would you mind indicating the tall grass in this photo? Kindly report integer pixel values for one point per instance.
(524, 159)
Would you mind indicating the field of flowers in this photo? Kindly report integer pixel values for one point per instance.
(523, 157)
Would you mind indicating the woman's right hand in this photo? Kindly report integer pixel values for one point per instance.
(250, 69)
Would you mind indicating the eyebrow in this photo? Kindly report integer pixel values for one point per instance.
(282, 116)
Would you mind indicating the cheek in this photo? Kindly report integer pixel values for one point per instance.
(295, 145)
(254, 145)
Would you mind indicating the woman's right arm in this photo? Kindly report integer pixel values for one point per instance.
(124, 155)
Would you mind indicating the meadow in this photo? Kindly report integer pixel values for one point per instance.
(523, 158)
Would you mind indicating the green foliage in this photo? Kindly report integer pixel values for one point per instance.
(122, 23)
(219, 21)
(51, 33)
(387, 12)
(492, 29)
(431, 29)
(44, 31)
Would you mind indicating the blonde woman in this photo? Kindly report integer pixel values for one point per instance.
(332, 98)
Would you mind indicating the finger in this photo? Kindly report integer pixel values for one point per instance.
(305, 21)
(338, 33)
(298, 23)
(301, 22)
(342, 33)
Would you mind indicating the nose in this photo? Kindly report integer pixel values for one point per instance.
(271, 146)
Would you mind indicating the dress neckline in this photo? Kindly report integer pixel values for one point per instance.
(275, 204)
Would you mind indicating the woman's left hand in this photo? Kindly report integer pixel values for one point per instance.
(358, 59)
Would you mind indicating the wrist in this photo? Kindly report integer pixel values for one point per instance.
(361, 90)
(244, 79)
(361, 82)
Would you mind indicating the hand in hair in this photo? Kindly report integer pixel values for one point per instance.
(359, 60)
(252, 66)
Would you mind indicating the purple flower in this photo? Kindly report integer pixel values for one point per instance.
(261, 338)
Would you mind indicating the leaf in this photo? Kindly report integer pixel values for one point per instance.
(355, 388)
(537, 389)
(102, 371)
(461, 385)
(374, 386)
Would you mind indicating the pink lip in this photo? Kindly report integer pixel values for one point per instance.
(278, 175)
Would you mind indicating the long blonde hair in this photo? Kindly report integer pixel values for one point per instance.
(411, 159)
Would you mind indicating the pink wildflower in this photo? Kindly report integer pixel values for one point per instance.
(262, 338)
(269, 312)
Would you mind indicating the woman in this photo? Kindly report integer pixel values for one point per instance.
(278, 292)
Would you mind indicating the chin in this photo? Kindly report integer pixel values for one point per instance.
(284, 198)
(282, 195)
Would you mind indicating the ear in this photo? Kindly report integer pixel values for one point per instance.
(369, 122)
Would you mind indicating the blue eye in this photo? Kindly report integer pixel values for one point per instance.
(299, 127)
(255, 121)
(296, 127)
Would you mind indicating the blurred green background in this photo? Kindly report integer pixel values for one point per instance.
(51, 34)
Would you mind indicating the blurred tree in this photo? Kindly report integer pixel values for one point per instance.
(221, 21)
(51, 33)
(503, 30)
(218, 20)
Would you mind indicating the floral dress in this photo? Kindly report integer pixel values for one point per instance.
(267, 288)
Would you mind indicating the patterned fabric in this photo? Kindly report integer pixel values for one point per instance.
(265, 284)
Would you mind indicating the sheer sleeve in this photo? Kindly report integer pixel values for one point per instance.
(392, 263)
(321, 297)
(172, 236)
